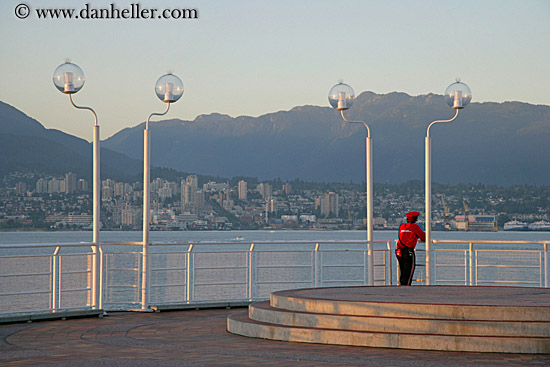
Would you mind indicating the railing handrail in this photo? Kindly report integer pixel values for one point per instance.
(47, 245)
(239, 242)
(493, 242)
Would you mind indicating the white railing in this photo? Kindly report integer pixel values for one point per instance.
(50, 278)
(477, 263)
(206, 272)
(38, 278)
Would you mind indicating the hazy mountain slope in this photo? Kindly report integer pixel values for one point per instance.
(26, 145)
(501, 143)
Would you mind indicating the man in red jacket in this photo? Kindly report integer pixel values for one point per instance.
(409, 234)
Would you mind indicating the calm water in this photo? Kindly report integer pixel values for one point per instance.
(251, 236)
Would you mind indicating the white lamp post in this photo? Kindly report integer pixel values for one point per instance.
(457, 96)
(169, 89)
(341, 97)
(69, 79)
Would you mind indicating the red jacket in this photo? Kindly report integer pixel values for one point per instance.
(409, 233)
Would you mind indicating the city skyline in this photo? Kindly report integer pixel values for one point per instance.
(31, 200)
(249, 58)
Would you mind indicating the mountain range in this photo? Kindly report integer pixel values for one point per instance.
(490, 143)
(26, 145)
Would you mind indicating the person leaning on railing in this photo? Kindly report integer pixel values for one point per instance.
(409, 234)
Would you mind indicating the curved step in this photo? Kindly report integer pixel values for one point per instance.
(241, 324)
(263, 312)
(443, 302)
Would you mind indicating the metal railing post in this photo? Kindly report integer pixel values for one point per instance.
(251, 273)
(389, 266)
(397, 269)
(316, 268)
(190, 280)
(100, 288)
(95, 276)
(471, 252)
(55, 280)
(546, 267)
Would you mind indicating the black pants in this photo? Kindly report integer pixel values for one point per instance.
(407, 263)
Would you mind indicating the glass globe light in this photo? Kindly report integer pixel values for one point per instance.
(458, 95)
(341, 96)
(68, 78)
(169, 88)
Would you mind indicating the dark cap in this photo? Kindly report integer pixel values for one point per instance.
(412, 214)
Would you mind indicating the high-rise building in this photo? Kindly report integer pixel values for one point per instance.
(42, 186)
(329, 205)
(266, 190)
(272, 206)
(82, 185)
(287, 188)
(199, 199)
(20, 188)
(54, 186)
(108, 183)
(106, 193)
(119, 189)
(188, 196)
(70, 183)
(193, 181)
(131, 216)
(243, 191)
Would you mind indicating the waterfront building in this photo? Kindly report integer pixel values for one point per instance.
(78, 220)
(483, 223)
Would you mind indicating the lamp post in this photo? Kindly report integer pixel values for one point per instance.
(69, 79)
(341, 97)
(169, 89)
(457, 96)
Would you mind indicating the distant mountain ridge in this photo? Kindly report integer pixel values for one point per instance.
(491, 143)
(25, 144)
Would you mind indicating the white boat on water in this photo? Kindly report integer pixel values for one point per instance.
(541, 225)
(515, 225)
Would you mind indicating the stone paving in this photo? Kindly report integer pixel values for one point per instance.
(199, 338)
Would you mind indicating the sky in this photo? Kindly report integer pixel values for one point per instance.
(243, 57)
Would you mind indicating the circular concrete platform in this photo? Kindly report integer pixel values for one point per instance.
(439, 302)
(452, 318)
(442, 295)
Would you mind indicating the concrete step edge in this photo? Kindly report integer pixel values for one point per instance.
(240, 324)
(411, 310)
(263, 312)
